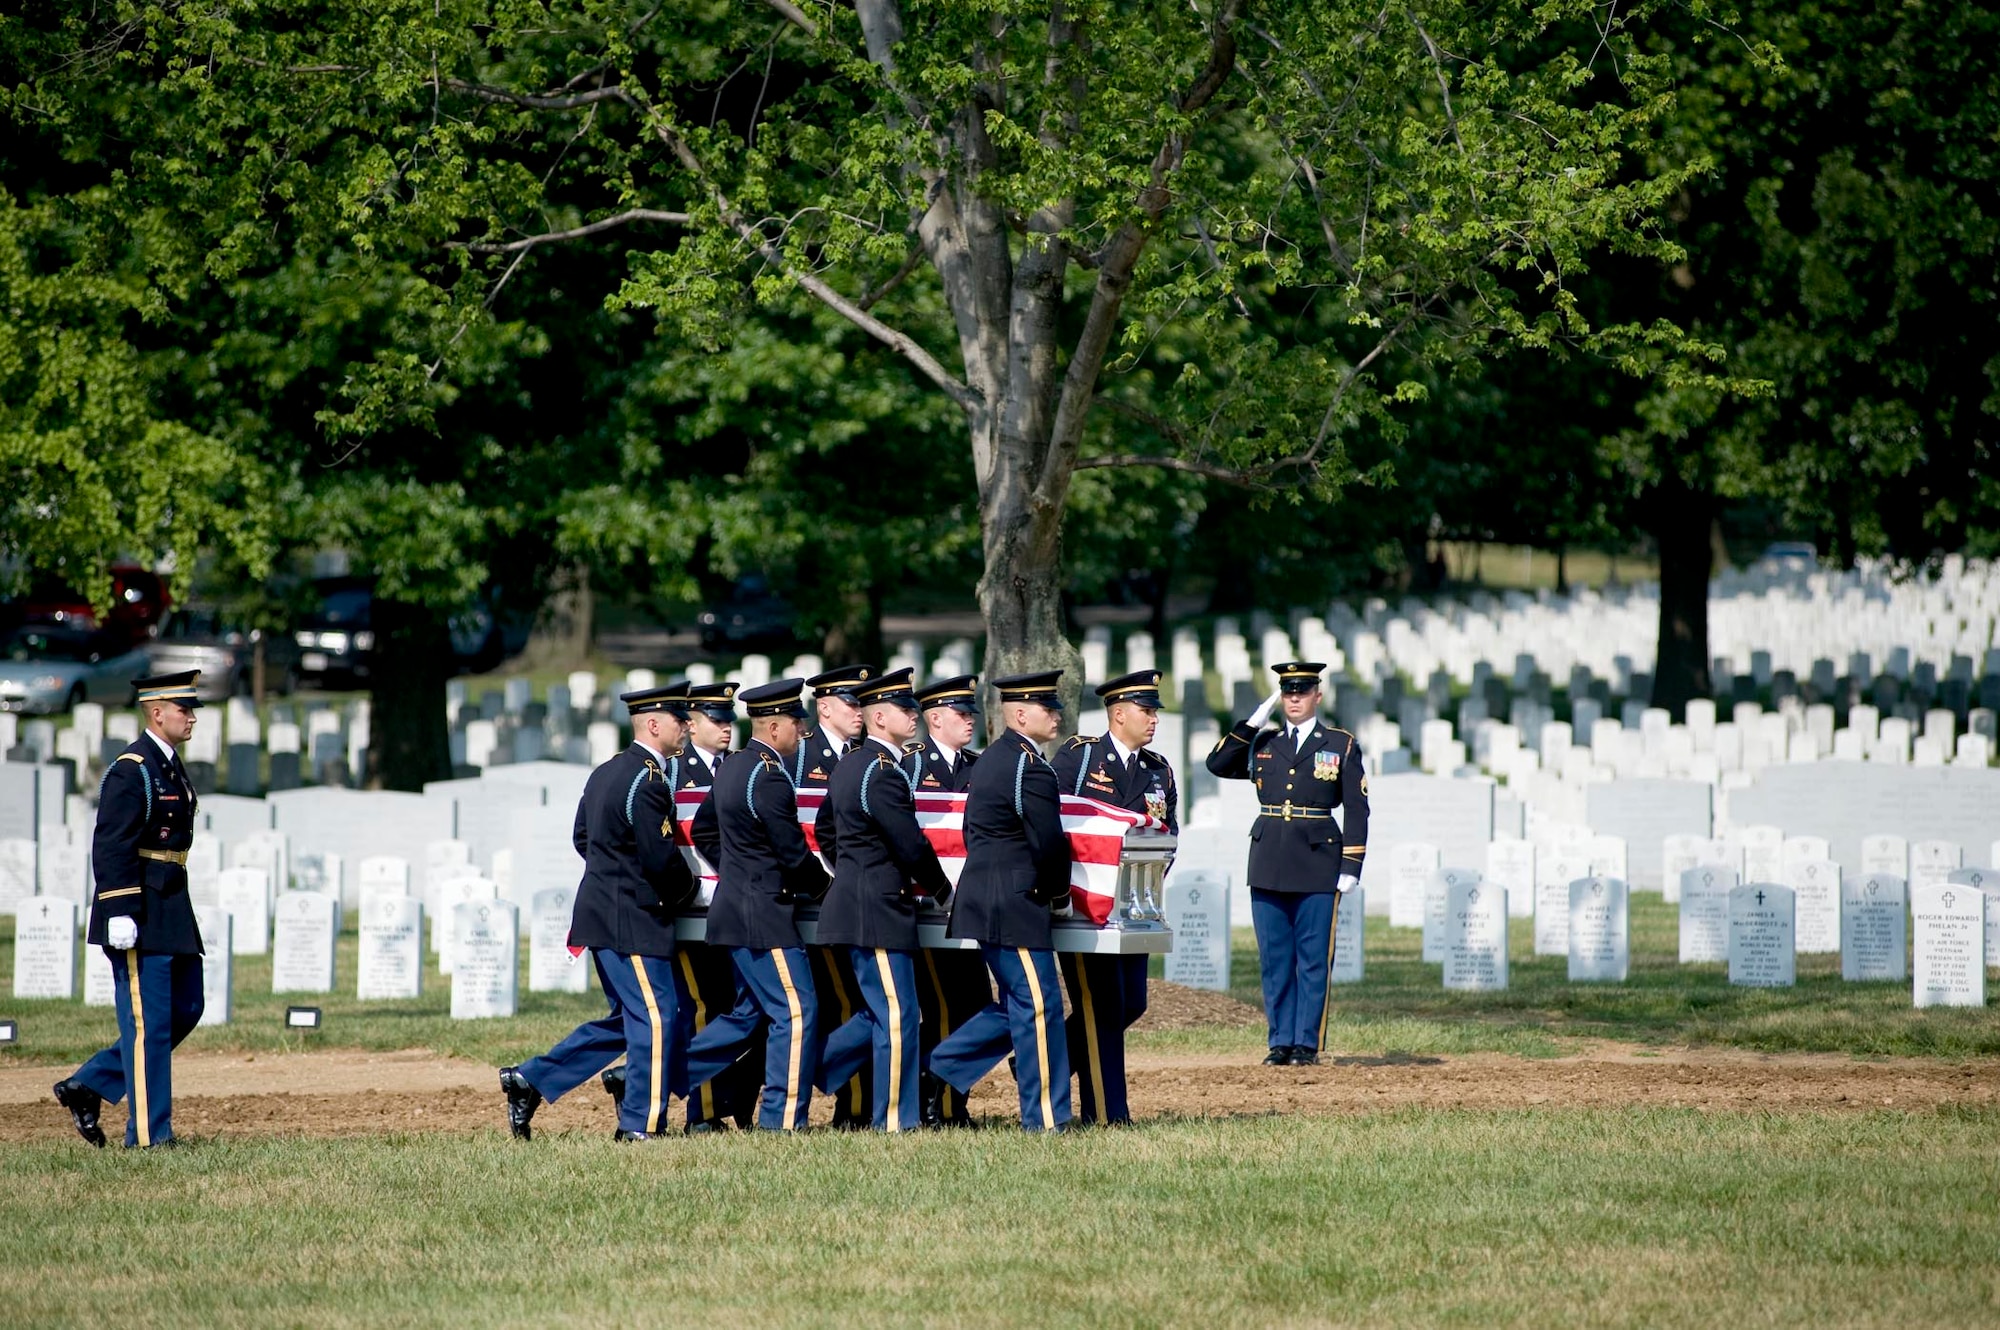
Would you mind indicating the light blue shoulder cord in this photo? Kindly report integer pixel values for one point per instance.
(146, 778)
(1082, 770)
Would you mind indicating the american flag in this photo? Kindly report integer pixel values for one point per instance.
(1096, 840)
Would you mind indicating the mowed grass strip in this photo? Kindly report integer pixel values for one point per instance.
(1626, 1218)
(1399, 1007)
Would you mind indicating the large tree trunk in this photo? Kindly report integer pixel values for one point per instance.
(1020, 595)
(407, 739)
(563, 629)
(1681, 519)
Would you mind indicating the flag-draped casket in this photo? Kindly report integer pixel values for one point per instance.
(1096, 842)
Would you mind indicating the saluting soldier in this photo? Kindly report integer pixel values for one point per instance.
(703, 976)
(749, 828)
(1108, 993)
(1306, 848)
(953, 982)
(142, 917)
(1017, 864)
(634, 879)
(837, 729)
(881, 862)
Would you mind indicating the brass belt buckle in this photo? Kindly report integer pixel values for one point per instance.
(1288, 810)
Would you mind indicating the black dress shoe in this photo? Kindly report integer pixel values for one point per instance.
(622, 1135)
(706, 1128)
(1304, 1056)
(1281, 1056)
(930, 1100)
(522, 1101)
(614, 1082)
(84, 1105)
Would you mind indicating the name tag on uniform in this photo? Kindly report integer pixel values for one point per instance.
(1326, 766)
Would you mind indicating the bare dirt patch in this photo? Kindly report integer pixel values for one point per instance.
(336, 1093)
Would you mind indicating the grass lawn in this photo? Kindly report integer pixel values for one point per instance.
(1400, 1006)
(1642, 1218)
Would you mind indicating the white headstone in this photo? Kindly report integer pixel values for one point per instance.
(1815, 885)
(218, 965)
(271, 850)
(45, 948)
(1600, 938)
(551, 969)
(1510, 865)
(302, 945)
(485, 939)
(391, 963)
(1197, 910)
(246, 894)
(1762, 848)
(1607, 857)
(1949, 922)
(444, 860)
(1475, 935)
(1410, 867)
(1704, 913)
(17, 873)
(1986, 880)
(204, 867)
(1762, 948)
(65, 871)
(382, 874)
(1350, 924)
(1932, 862)
(1680, 853)
(1887, 856)
(1437, 893)
(1799, 849)
(450, 895)
(1556, 873)
(98, 981)
(1874, 928)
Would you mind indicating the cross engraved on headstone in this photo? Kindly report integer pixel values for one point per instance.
(1760, 898)
(1948, 899)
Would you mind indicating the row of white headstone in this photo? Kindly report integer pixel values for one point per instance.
(480, 951)
(1753, 928)
(1527, 868)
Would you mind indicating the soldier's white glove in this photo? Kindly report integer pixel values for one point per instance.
(1347, 883)
(122, 933)
(1263, 712)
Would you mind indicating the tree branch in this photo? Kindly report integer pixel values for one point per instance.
(574, 233)
(895, 339)
(797, 17)
(486, 92)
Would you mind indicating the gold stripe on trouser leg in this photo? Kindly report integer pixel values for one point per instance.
(1326, 1002)
(846, 1014)
(895, 1119)
(1041, 1034)
(142, 1112)
(1094, 1063)
(707, 1089)
(798, 1036)
(944, 1018)
(660, 1037)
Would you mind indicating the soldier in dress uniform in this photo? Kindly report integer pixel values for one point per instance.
(1306, 848)
(837, 705)
(952, 984)
(634, 879)
(749, 829)
(704, 979)
(1017, 864)
(142, 917)
(881, 863)
(1108, 993)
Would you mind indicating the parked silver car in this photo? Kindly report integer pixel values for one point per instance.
(198, 638)
(47, 668)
